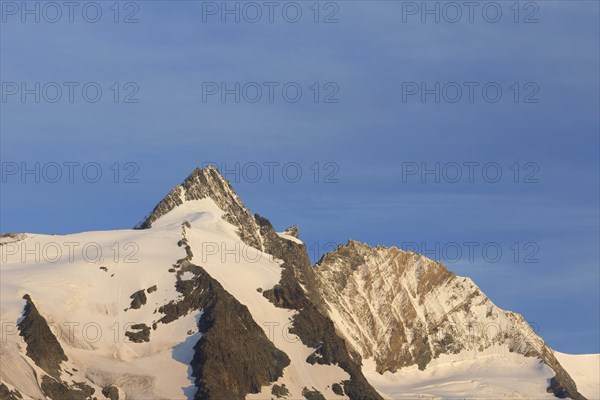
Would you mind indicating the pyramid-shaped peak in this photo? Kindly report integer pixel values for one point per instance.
(209, 183)
(205, 179)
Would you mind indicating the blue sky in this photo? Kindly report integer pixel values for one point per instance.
(367, 140)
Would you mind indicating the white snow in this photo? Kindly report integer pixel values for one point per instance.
(585, 371)
(85, 306)
(488, 375)
(289, 237)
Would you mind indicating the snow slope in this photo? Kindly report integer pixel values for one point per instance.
(493, 374)
(585, 370)
(485, 375)
(84, 305)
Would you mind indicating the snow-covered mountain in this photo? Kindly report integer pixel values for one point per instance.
(204, 300)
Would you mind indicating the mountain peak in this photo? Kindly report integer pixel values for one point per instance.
(204, 183)
(292, 231)
(199, 184)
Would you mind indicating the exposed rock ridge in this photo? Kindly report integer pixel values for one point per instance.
(7, 394)
(42, 346)
(209, 183)
(292, 231)
(233, 357)
(297, 291)
(46, 352)
(401, 308)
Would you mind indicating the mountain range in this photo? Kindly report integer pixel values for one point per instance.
(205, 300)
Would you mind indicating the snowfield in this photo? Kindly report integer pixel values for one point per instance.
(585, 370)
(485, 375)
(84, 305)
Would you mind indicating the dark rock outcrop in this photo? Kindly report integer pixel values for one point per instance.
(317, 331)
(280, 391)
(313, 394)
(292, 231)
(557, 389)
(111, 392)
(46, 352)
(233, 357)
(561, 385)
(311, 325)
(42, 346)
(337, 389)
(57, 390)
(138, 299)
(7, 394)
(141, 334)
(288, 293)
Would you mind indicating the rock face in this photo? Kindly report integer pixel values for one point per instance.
(312, 394)
(561, 385)
(292, 231)
(401, 308)
(57, 390)
(337, 389)
(111, 392)
(139, 333)
(209, 183)
(45, 350)
(42, 346)
(7, 394)
(138, 299)
(297, 291)
(234, 357)
(279, 391)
